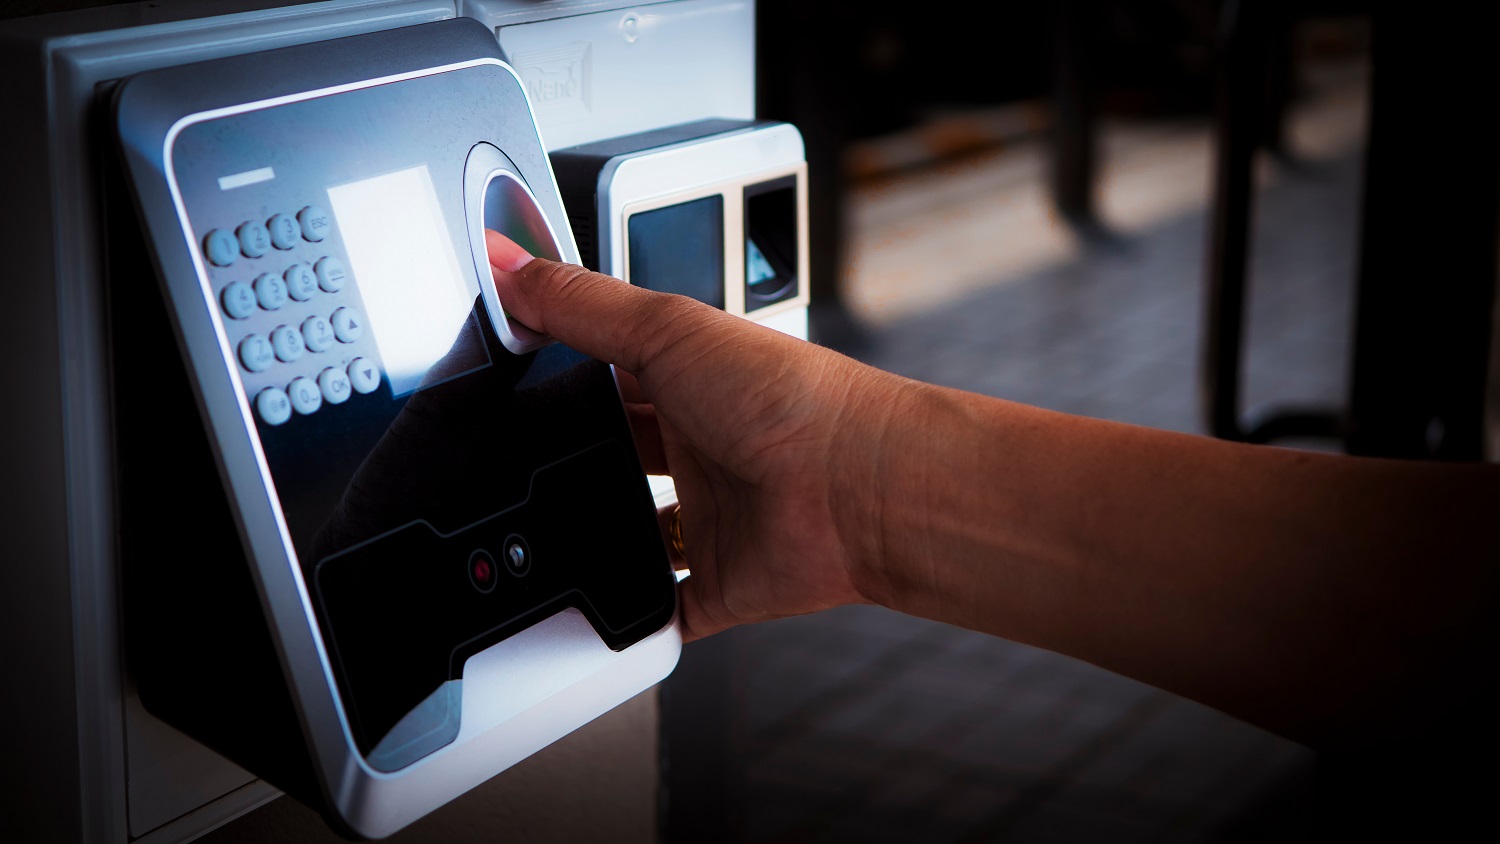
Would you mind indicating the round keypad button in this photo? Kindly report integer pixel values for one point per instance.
(348, 326)
(238, 300)
(270, 291)
(273, 405)
(364, 376)
(300, 284)
(331, 274)
(287, 342)
(220, 247)
(335, 385)
(253, 237)
(317, 334)
(314, 222)
(305, 395)
(256, 353)
(285, 231)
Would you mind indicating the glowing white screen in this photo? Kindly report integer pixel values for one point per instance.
(415, 295)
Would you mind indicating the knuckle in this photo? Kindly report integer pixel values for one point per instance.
(562, 282)
(555, 290)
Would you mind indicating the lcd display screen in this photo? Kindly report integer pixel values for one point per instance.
(415, 295)
(680, 249)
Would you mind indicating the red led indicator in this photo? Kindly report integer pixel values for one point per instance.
(482, 571)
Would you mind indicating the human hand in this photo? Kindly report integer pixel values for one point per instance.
(769, 439)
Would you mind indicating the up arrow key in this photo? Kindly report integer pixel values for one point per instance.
(345, 325)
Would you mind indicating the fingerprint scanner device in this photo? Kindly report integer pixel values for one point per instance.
(453, 557)
(712, 209)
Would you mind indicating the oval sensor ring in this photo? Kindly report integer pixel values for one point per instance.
(495, 197)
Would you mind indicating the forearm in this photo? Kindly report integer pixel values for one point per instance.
(1308, 593)
(1278, 585)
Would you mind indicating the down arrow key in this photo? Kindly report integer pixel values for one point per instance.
(364, 376)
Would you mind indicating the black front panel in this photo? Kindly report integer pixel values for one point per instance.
(400, 436)
(474, 592)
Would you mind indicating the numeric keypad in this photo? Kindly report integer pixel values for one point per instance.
(302, 341)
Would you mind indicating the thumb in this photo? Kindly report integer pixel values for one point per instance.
(697, 621)
(600, 316)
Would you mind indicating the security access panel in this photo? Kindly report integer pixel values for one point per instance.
(450, 540)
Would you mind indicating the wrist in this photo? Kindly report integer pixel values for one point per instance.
(872, 473)
(936, 520)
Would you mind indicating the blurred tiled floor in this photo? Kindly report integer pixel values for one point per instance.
(864, 725)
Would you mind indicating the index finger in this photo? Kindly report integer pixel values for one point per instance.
(600, 316)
